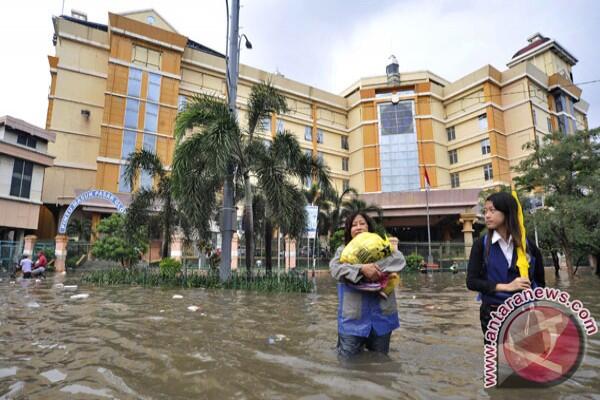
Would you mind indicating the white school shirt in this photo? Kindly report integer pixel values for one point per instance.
(506, 247)
(26, 265)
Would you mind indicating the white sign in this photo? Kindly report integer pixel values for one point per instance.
(312, 213)
(90, 194)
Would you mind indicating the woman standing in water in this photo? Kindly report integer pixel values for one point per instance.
(492, 267)
(365, 319)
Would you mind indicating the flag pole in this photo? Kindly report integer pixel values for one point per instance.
(429, 257)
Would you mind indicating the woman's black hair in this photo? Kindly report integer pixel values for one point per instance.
(507, 204)
(348, 225)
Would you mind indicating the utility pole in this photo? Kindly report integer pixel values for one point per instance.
(228, 211)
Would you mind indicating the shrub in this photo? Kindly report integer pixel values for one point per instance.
(414, 262)
(169, 266)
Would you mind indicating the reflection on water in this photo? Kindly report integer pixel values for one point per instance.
(137, 343)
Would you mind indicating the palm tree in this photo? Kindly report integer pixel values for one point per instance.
(153, 204)
(354, 204)
(202, 157)
(336, 213)
(278, 168)
(264, 100)
(208, 142)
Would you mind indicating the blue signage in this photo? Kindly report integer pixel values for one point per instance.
(90, 194)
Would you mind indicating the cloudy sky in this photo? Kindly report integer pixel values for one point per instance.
(325, 43)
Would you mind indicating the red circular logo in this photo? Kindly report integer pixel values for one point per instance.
(543, 344)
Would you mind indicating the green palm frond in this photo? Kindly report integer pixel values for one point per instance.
(143, 160)
(264, 100)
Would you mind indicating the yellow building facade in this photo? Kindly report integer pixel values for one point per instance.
(117, 88)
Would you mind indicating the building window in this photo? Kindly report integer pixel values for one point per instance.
(488, 173)
(131, 113)
(451, 133)
(280, 126)
(345, 163)
(27, 140)
(533, 117)
(124, 186)
(453, 156)
(345, 142)
(145, 180)
(319, 135)
(483, 125)
(558, 102)
(319, 156)
(308, 133)
(454, 180)
(151, 119)
(146, 57)
(549, 125)
(134, 83)
(153, 87)
(561, 124)
(396, 118)
(345, 184)
(149, 143)
(181, 103)
(128, 146)
(20, 185)
(485, 146)
(265, 124)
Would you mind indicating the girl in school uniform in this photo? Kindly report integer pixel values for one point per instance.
(492, 269)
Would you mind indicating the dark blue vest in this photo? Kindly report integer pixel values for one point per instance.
(497, 271)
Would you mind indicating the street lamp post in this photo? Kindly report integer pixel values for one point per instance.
(229, 211)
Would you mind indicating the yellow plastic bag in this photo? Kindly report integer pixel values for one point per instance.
(366, 248)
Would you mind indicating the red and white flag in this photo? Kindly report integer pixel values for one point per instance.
(427, 181)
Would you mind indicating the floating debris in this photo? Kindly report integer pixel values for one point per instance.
(80, 296)
(177, 296)
(59, 286)
(276, 338)
(162, 311)
(32, 304)
(6, 372)
(70, 287)
(193, 308)
(54, 375)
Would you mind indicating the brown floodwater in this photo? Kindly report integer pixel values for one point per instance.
(141, 343)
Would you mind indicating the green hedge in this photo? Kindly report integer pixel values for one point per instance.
(285, 283)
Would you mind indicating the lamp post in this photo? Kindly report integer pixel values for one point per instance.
(233, 63)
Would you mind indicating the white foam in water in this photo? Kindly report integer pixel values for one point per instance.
(54, 375)
(5, 372)
(80, 296)
(33, 304)
(81, 389)
(14, 389)
(177, 296)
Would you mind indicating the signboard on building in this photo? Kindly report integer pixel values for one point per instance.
(90, 194)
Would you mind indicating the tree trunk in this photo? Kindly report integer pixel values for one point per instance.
(569, 260)
(556, 262)
(166, 229)
(248, 225)
(268, 242)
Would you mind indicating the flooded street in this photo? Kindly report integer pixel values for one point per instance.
(141, 343)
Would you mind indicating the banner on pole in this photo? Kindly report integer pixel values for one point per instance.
(312, 213)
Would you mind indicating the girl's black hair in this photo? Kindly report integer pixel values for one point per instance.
(507, 204)
(348, 225)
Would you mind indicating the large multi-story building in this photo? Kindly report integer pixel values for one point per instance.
(117, 87)
(23, 160)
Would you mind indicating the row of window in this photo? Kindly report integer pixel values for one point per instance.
(27, 140)
(485, 149)
(20, 185)
(488, 175)
(308, 132)
(483, 126)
